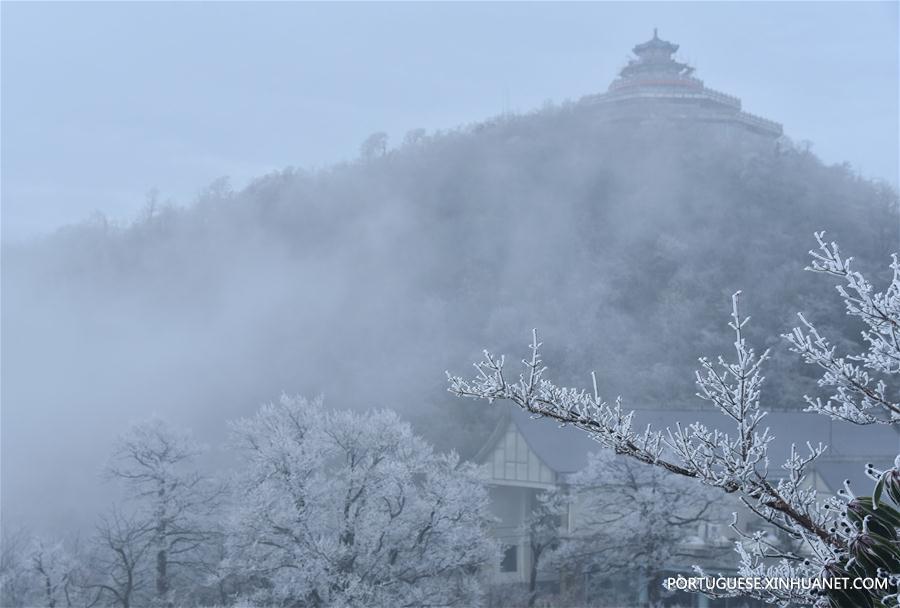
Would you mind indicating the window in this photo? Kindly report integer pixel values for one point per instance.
(510, 561)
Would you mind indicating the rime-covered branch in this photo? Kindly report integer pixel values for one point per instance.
(826, 536)
(734, 461)
(346, 509)
(611, 425)
(861, 391)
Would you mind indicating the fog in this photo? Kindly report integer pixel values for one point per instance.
(364, 279)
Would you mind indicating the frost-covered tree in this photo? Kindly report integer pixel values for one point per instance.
(633, 519)
(834, 532)
(156, 463)
(348, 509)
(119, 560)
(414, 137)
(14, 572)
(374, 145)
(55, 575)
(544, 528)
(39, 572)
(216, 582)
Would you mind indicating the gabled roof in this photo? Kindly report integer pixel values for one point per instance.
(565, 450)
(562, 450)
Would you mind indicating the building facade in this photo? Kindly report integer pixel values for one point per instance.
(524, 457)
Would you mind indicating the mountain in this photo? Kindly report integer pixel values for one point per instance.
(620, 240)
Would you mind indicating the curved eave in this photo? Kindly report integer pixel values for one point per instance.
(655, 45)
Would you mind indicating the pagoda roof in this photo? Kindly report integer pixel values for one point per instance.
(654, 76)
(655, 44)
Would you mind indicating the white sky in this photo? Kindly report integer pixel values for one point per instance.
(103, 102)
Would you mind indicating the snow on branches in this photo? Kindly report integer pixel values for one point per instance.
(737, 460)
(734, 462)
(861, 392)
(155, 462)
(340, 508)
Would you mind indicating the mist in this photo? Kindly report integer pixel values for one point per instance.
(365, 282)
(363, 274)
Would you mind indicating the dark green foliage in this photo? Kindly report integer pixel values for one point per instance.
(872, 525)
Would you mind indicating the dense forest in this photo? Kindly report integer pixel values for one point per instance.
(365, 281)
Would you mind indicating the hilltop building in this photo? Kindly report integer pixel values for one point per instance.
(654, 86)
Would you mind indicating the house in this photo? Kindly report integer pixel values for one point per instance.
(525, 456)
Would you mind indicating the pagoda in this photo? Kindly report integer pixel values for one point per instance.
(654, 85)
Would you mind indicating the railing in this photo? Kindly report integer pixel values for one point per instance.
(657, 89)
(720, 96)
(684, 81)
(759, 121)
(732, 102)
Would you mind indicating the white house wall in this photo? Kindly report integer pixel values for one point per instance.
(513, 461)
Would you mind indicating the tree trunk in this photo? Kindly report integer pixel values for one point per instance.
(162, 578)
(532, 575)
(48, 588)
(162, 557)
(643, 588)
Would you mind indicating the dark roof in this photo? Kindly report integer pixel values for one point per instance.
(655, 43)
(565, 450)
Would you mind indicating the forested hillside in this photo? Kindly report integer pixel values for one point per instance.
(621, 244)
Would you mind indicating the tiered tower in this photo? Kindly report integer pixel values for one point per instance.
(656, 86)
